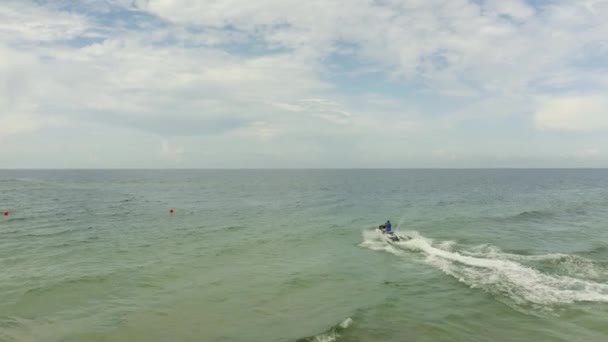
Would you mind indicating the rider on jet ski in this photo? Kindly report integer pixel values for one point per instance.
(386, 227)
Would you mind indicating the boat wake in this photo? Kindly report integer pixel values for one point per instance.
(540, 281)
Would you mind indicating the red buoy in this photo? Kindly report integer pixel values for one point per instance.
(171, 210)
(6, 213)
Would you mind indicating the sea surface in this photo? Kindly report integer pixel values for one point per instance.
(292, 255)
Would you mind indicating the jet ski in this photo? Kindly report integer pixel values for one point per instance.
(391, 236)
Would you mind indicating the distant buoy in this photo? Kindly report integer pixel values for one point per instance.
(171, 210)
(6, 213)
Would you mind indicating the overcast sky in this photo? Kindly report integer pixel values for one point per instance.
(303, 83)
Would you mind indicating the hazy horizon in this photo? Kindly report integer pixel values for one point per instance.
(309, 168)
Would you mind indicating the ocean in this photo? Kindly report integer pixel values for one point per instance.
(292, 255)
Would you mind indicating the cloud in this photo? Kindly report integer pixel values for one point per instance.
(261, 131)
(444, 154)
(162, 89)
(21, 23)
(589, 152)
(448, 44)
(169, 152)
(281, 80)
(13, 124)
(573, 113)
(517, 9)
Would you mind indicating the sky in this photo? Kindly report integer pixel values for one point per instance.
(303, 84)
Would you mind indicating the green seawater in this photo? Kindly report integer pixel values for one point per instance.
(291, 255)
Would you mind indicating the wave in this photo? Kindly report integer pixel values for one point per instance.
(10, 232)
(330, 335)
(234, 228)
(507, 276)
(539, 215)
(532, 215)
(598, 250)
(446, 203)
(15, 219)
(11, 328)
(98, 279)
(52, 233)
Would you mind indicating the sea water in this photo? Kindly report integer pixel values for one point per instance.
(292, 255)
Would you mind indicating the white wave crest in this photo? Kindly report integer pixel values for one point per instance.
(333, 334)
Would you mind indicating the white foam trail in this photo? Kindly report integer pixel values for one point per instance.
(571, 265)
(499, 273)
(375, 241)
(493, 252)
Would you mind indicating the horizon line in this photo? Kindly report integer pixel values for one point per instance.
(302, 168)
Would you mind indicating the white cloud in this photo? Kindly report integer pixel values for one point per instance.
(375, 76)
(124, 81)
(573, 113)
(169, 152)
(518, 9)
(444, 42)
(21, 22)
(261, 131)
(15, 124)
(444, 154)
(324, 109)
(589, 152)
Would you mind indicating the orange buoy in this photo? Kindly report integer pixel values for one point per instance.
(6, 213)
(171, 210)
